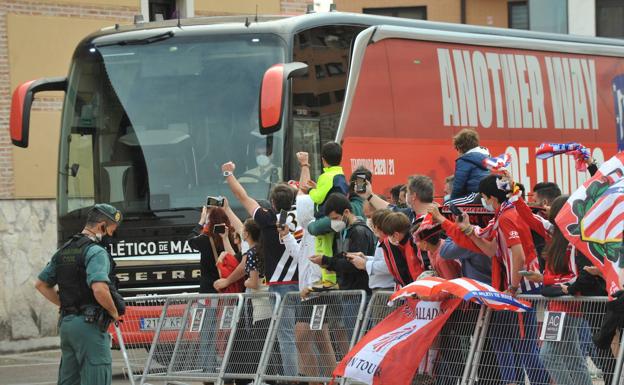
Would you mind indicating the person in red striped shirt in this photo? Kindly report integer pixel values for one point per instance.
(507, 240)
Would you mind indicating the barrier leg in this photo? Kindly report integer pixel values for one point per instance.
(264, 356)
(271, 336)
(187, 309)
(150, 356)
(474, 366)
(228, 348)
(473, 345)
(124, 353)
(617, 373)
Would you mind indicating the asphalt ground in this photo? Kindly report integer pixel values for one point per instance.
(41, 368)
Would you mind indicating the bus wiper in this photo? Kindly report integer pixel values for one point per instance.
(173, 209)
(143, 41)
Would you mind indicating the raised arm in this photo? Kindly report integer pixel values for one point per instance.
(372, 198)
(453, 230)
(239, 192)
(304, 164)
(235, 222)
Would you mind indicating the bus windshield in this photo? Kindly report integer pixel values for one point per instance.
(146, 127)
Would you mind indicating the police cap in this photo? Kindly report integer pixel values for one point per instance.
(109, 211)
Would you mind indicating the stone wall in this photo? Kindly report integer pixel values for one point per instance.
(27, 241)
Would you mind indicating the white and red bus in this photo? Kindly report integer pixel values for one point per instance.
(411, 89)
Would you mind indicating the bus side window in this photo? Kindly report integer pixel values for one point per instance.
(318, 98)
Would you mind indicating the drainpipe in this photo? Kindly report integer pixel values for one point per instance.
(462, 11)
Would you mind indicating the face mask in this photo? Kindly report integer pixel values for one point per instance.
(369, 223)
(263, 160)
(447, 197)
(338, 225)
(108, 240)
(486, 205)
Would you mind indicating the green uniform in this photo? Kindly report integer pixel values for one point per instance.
(86, 355)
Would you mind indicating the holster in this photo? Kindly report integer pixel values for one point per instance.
(103, 320)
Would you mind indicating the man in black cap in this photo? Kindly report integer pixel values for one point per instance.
(83, 271)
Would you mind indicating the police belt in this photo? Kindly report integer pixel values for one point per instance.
(72, 310)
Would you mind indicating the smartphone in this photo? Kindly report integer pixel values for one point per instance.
(282, 218)
(360, 183)
(525, 273)
(219, 228)
(214, 201)
(456, 211)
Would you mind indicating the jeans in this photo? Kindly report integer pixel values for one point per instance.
(510, 346)
(564, 359)
(286, 331)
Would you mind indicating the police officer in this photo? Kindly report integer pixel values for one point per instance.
(82, 269)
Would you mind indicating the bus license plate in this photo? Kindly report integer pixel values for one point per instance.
(170, 323)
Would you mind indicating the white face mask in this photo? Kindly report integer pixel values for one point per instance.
(486, 205)
(263, 160)
(447, 197)
(369, 223)
(338, 225)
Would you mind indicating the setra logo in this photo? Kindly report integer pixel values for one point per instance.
(618, 95)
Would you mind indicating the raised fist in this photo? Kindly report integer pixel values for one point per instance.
(302, 157)
(229, 166)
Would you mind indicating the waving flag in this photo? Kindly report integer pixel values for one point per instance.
(380, 356)
(580, 152)
(497, 164)
(420, 288)
(481, 293)
(593, 220)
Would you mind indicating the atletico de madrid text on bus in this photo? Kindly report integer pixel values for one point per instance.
(127, 249)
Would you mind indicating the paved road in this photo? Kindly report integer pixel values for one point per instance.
(40, 368)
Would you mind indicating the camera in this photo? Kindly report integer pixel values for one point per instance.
(360, 183)
(215, 201)
(219, 228)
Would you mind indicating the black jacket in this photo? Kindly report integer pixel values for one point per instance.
(208, 267)
(359, 239)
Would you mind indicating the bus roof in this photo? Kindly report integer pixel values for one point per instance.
(285, 25)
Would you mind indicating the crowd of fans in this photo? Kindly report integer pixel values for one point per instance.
(340, 233)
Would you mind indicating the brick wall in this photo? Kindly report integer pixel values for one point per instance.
(117, 14)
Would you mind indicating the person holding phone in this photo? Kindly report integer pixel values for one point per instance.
(206, 239)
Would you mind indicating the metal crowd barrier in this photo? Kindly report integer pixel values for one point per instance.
(138, 328)
(532, 346)
(257, 338)
(310, 337)
(446, 362)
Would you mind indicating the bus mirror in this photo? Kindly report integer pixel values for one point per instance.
(21, 103)
(272, 91)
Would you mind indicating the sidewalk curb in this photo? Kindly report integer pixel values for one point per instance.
(46, 343)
